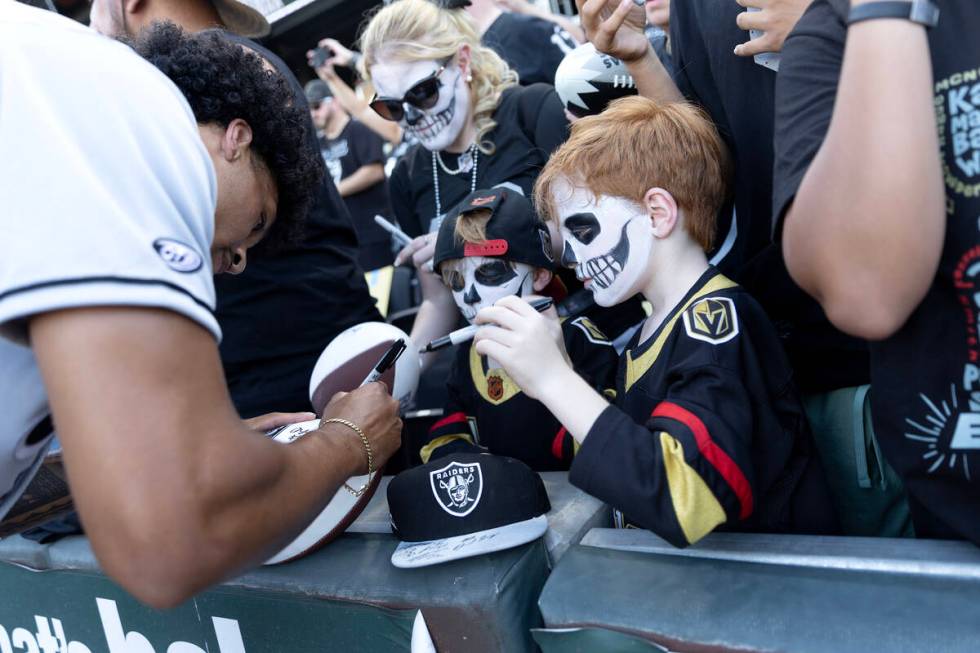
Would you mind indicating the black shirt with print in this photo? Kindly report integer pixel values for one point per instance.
(925, 393)
(354, 147)
(533, 47)
(531, 124)
(737, 94)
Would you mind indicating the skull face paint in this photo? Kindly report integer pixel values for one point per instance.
(436, 128)
(480, 281)
(608, 242)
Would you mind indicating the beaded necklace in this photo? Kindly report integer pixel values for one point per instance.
(437, 163)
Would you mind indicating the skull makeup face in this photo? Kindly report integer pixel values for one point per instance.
(480, 281)
(608, 241)
(436, 128)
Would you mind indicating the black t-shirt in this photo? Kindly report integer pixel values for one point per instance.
(288, 305)
(355, 147)
(737, 94)
(532, 46)
(531, 123)
(925, 395)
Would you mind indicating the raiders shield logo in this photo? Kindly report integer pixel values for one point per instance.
(457, 487)
(495, 387)
(712, 320)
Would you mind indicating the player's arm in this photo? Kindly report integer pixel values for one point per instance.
(175, 491)
(865, 231)
(361, 179)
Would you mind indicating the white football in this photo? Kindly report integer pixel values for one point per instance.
(351, 356)
(334, 519)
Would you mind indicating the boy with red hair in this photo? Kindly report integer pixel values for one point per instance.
(707, 430)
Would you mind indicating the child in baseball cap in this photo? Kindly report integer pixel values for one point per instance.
(492, 245)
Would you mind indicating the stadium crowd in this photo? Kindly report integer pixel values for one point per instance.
(755, 221)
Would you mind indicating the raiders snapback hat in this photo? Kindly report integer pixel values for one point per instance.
(514, 231)
(465, 505)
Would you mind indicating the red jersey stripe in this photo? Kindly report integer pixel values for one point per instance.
(557, 442)
(452, 418)
(712, 452)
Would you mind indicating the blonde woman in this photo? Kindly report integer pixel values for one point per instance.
(475, 126)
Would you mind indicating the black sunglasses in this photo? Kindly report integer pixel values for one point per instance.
(423, 95)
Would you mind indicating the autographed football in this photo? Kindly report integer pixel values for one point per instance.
(342, 367)
(351, 356)
(334, 519)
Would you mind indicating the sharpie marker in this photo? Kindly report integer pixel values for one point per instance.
(399, 235)
(466, 333)
(386, 362)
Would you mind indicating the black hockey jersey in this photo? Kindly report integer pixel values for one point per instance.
(487, 409)
(707, 430)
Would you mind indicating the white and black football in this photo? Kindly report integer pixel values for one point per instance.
(587, 81)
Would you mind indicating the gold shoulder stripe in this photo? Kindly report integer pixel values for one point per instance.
(635, 369)
(426, 452)
(494, 385)
(593, 333)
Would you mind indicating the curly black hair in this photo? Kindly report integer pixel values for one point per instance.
(222, 81)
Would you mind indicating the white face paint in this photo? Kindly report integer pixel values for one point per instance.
(436, 128)
(607, 240)
(481, 280)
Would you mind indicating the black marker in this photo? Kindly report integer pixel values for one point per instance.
(466, 333)
(386, 362)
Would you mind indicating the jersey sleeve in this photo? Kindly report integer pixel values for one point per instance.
(108, 193)
(686, 469)
(806, 89)
(452, 433)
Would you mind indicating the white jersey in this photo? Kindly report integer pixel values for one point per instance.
(107, 198)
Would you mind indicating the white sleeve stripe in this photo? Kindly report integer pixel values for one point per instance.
(121, 280)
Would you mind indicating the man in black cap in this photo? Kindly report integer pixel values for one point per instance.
(492, 246)
(355, 159)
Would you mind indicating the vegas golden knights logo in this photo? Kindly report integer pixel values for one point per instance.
(495, 387)
(712, 320)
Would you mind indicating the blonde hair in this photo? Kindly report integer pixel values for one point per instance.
(637, 144)
(418, 30)
(471, 227)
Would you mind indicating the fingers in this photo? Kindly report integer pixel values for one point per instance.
(752, 20)
(519, 305)
(501, 316)
(495, 333)
(494, 350)
(607, 30)
(423, 256)
(275, 420)
(408, 252)
(755, 46)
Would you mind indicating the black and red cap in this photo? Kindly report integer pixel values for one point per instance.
(514, 231)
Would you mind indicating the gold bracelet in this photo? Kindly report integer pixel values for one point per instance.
(367, 447)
